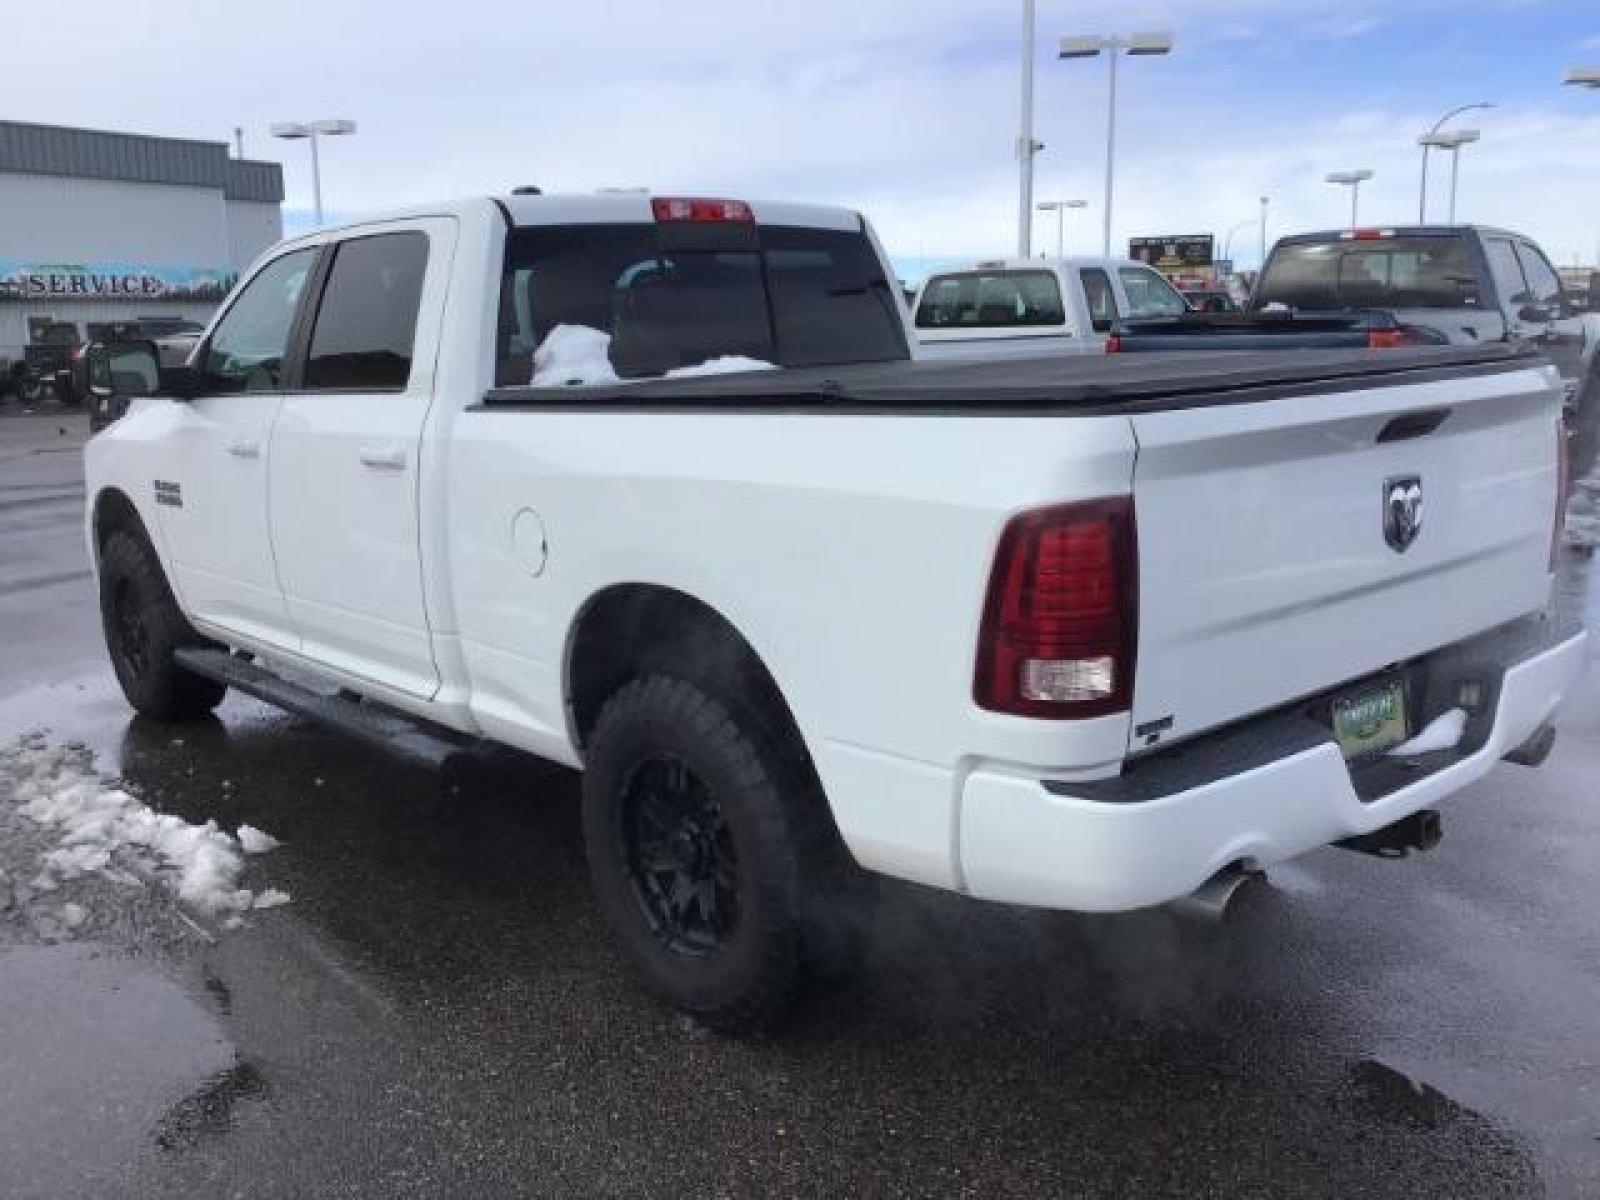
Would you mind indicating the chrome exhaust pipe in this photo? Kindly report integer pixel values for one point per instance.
(1420, 831)
(1219, 899)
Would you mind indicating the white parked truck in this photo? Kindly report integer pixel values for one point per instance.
(1089, 634)
(1030, 306)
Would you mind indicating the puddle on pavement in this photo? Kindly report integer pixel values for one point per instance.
(106, 1059)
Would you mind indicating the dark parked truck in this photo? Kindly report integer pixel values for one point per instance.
(1462, 284)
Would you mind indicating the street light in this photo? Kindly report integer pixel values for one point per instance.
(1227, 241)
(1059, 207)
(1585, 77)
(311, 131)
(1352, 180)
(1088, 47)
(1422, 191)
(1027, 147)
(1451, 141)
(1264, 201)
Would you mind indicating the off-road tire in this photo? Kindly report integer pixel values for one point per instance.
(775, 820)
(143, 627)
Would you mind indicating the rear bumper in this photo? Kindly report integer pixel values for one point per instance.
(1161, 831)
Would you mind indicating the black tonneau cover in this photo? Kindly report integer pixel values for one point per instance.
(1081, 385)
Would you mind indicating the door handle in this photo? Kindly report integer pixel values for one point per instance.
(244, 448)
(383, 458)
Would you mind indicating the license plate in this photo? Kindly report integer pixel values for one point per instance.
(1370, 720)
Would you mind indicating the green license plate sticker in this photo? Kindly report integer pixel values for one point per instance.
(1372, 720)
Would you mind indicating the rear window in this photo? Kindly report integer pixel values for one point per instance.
(991, 300)
(785, 296)
(1399, 272)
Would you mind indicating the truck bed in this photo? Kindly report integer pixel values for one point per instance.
(1087, 386)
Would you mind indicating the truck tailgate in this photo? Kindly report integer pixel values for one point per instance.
(1267, 573)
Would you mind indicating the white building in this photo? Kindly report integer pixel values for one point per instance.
(100, 227)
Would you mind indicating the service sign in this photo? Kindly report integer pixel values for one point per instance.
(111, 281)
(1173, 253)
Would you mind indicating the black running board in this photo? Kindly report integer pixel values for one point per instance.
(391, 731)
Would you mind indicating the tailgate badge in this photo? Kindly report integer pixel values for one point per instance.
(1402, 511)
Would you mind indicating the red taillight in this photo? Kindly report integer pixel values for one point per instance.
(1114, 344)
(682, 209)
(1389, 339)
(1366, 235)
(1059, 624)
(1563, 481)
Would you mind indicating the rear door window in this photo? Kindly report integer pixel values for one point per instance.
(1102, 301)
(991, 300)
(367, 320)
(1149, 294)
(1543, 282)
(1505, 270)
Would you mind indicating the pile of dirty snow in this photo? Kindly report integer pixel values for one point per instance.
(578, 356)
(1582, 531)
(92, 827)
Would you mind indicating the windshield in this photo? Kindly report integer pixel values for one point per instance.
(1399, 272)
(781, 295)
(991, 300)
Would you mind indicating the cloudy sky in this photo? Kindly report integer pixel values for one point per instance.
(906, 109)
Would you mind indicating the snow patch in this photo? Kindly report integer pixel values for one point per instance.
(271, 898)
(1442, 733)
(727, 364)
(580, 356)
(573, 356)
(100, 829)
(253, 841)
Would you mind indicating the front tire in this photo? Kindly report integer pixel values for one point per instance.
(692, 847)
(143, 627)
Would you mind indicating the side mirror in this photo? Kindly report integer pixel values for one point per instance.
(123, 370)
(1536, 314)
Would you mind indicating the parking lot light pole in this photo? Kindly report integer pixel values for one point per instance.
(1352, 180)
(1227, 241)
(1059, 207)
(1114, 46)
(1264, 201)
(1452, 141)
(1027, 147)
(311, 131)
(1422, 191)
(1584, 77)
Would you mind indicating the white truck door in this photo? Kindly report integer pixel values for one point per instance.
(346, 455)
(212, 498)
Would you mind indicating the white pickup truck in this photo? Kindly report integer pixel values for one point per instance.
(1089, 634)
(1030, 306)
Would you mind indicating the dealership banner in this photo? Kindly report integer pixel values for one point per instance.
(111, 281)
(1173, 253)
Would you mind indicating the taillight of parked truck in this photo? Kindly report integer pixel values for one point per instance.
(1058, 635)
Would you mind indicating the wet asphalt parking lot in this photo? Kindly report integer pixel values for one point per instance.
(438, 1012)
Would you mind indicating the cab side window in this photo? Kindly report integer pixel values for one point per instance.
(1506, 271)
(367, 319)
(1101, 299)
(1543, 282)
(247, 348)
